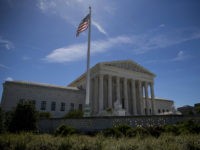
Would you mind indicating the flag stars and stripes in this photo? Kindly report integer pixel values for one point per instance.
(83, 25)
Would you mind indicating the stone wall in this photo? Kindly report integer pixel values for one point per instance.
(99, 123)
(14, 91)
(163, 106)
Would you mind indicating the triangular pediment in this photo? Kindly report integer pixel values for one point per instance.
(124, 64)
(128, 65)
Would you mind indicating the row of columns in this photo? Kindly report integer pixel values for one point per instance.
(138, 103)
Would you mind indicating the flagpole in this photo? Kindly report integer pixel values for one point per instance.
(87, 99)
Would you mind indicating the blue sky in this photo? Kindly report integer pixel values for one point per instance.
(38, 42)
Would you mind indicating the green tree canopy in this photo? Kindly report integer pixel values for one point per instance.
(24, 117)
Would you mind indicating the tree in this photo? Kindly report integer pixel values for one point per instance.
(1, 120)
(197, 109)
(24, 117)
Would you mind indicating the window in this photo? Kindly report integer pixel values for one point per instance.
(53, 106)
(62, 108)
(149, 111)
(80, 107)
(163, 110)
(159, 111)
(72, 106)
(43, 105)
(167, 110)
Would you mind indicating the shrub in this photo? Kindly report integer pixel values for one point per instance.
(65, 145)
(131, 132)
(74, 114)
(2, 118)
(65, 130)
(185, 127)
(8, 119)
(109, 110)
(188, 126)
(24, 117)
(45, 115)
(197, 128)
(171, 129)
(30, 141)
(42, 142)
(112, 132)
(197, 109)
(155, 131)
(124, 129)
(141, 131)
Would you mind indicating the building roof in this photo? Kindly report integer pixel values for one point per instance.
(163, 99)
(122, 64)
(41, 85)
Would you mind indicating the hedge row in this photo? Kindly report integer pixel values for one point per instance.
(187, 127)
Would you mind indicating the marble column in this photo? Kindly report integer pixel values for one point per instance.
(133, 91)
(96, 95)
(100, 93)
(118, 89)
(91, 100)
(152, 98)
(141, 97)
(146, 98)
(126, 95)
(109, 91)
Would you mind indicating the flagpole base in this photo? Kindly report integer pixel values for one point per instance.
(87, 111)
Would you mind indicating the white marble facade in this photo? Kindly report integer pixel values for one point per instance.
(116, 88)
(124, 81)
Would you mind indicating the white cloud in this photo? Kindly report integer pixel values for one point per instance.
(26, 58)
(99, 27)
(65, 54)
(45, 5)
(162, 25)
(110, 9)
(78, 51)
(154, 40)
(6, 43)
(74, 10)
(4, 66)
(69, 10)
(9, 79)
(139, 44)
(181, 56)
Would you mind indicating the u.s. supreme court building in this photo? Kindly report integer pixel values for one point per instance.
(122, 88)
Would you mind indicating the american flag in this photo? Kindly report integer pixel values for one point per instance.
(83, 25)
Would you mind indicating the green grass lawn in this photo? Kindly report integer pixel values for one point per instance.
(165, 141)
